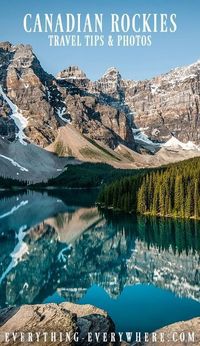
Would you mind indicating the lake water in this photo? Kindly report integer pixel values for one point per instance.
(57, 247)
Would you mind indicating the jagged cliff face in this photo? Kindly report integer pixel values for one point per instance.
(111, 84)
(168, 104)
(74, 75)
(47, 103)
(94, 114)
(111, 110)
(8, 128)
(27, 85)
(164, 106)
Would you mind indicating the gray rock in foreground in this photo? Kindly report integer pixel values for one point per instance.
(63, 318)
(179, 334)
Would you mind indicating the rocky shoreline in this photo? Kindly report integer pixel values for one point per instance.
(70, 323)
(73, 324)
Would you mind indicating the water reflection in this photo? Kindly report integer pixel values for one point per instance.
(58, 245)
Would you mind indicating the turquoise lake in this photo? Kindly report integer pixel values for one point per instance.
(57, 246)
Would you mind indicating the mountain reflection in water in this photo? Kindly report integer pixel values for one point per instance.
(57, 246)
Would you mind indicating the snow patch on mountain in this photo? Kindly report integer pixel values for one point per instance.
(180, 74)
(173, 142)
(140, 136)
(18, 118)
(174, 77)
(154, 89)
(60, 112)
(14, 163)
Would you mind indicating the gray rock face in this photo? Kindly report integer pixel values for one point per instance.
(75, 321)
(48, 103)
(27, 86)
(73, 74)
(110, 84)
(29, 162)
(7, 128)
(167, 104)
(93, 113)
(163, 106)
(185, 333)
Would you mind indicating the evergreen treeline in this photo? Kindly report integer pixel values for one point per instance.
(121, 194)
(172, 191)
(7, 183)
(87, 175)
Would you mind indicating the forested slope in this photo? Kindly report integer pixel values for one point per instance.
(173, 190)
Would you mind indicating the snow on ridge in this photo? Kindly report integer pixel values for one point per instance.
(71, 78)
(173, 142)
(110, 70)
(183, 73)
(18, 118)
(14, 163)
(60, 113)
(154, 88)
(175, 76)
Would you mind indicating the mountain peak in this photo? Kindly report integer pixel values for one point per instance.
(72, 73)
(112, 71)
(5, 45)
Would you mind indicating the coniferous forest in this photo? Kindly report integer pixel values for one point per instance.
(8, 183)
(171, 191)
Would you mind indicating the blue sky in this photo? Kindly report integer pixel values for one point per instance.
(166, 52)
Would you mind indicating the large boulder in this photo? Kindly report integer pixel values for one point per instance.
(55, 323)
(179, 334)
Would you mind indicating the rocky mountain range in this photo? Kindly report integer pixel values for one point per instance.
(113, 120)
